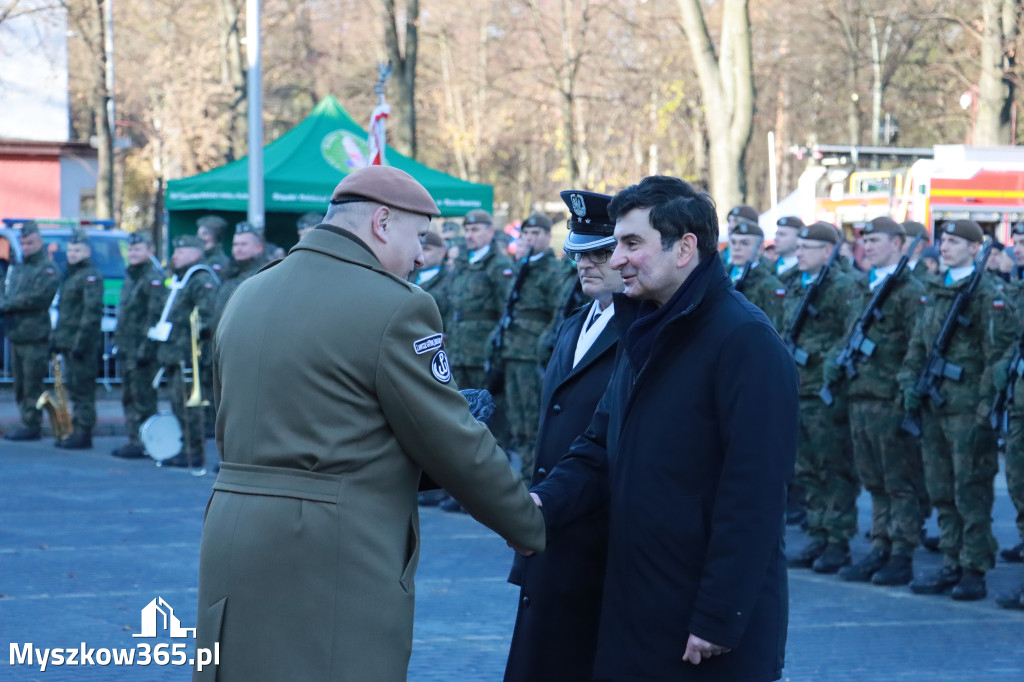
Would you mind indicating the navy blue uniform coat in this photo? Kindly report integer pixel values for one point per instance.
(555, 636)
(692, 452)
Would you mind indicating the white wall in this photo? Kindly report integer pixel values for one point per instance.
(76, 174)
(34, 73)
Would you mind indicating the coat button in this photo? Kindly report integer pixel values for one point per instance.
(556, 409)
(526, 600)
(542, 472)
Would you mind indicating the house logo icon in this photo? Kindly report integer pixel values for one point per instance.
(158, 616)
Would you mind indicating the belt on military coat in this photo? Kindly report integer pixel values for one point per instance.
(253, 479)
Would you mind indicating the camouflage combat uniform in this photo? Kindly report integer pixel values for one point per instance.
(476, 299)
(824, 463)
(142, 300)
(763, 289)
(539, 298)
(199, 292)
(79, 337)
(25, 304)
(232, 276)
(437, 286)
(958, 445)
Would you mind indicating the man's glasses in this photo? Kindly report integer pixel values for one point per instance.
(596, 257)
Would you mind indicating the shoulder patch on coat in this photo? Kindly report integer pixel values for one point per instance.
(440, 368)
(507, 272)
(924, 299)
(90, 278)
(156, 282)
(50, 271)
(780, 292)
(998, 304)
(208, 285)
(427, 343)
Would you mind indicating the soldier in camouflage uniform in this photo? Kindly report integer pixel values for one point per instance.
(199, 291)
(25, 300)
(210, 228)
(958, 445)
(824, 464)
(760, 286)
(476, 299)
(539, 298)
(787, 232)
(248, 255)
(434, 276)
(888, 460)
(916, 264)
(142, 301)
(79, 337)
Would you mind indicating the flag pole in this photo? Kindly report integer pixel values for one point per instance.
(254, 85)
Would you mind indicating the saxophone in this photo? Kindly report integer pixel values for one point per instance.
(57, 405)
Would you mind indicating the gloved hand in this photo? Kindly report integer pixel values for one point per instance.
(999, 378)
(831, 372)
(481, 404)
(911, 399)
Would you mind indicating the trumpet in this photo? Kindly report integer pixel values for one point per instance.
(56, 403)
(196, 399)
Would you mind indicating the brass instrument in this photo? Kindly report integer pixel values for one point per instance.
(57, 405)
(196, 399)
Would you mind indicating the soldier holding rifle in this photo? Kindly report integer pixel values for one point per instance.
(757, 283)
(888, 460)
(816, 305)
(961, 331)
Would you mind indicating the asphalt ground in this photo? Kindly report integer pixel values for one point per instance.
(87, 541)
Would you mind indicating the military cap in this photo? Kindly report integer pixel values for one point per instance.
(246, 227)
(966, 229)
(997, 245)
(1018, 228)
(914, 228)
(502, 237)
(931, 252)
(214, 222)
(821, 232)
(79, 235)
(590, 226)
(744, 214)
(433, 239)
(29, 227)
(884, 225)
(141, 237)
(477, 216)
(790, 221)
(311, 219)
(450, 226)
(748, 228)
(189, 241)
(538, 220)
(385, 185)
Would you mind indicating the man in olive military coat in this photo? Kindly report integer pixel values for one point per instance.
(334, 395)
(759, 285)
(142, 301)
(28, 290)
(555, 636)
(79, 337)
(958, 446)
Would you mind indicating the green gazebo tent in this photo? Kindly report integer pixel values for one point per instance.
(301, 169)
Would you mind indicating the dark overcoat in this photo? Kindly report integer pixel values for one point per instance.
(555, 636)
(692, 451)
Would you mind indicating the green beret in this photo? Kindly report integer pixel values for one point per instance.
(966, 229)
(821, 232)
(1018, 228)
(141, 237)
(189, 241)
(744, 214)
(884, 225)
(538, 220)
(790, 221)
(214, 222)
(311, 219)
(748, 228)
(478, 215)
(29, 227)
(79, 235)
(914, 228)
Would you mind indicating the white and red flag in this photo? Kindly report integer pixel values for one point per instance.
(377, 141)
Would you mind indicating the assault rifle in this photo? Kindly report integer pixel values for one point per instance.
(1000, 413)
(738, 284)
(493, 367)
(936, 367)
(858, 346)
(806, 309)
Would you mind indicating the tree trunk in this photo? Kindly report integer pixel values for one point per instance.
(404, 65)
(100, 104)
(990, 78)
(233, 74)
(1011, 31)
(727, 89)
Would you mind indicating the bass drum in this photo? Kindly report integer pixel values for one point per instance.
(161, 436)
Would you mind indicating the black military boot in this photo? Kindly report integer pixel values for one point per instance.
(78, 440)
(1014, 555)
(971, 587)
(863, 570)
(937, 582)
(835, 556)
(899, 570)
(807, 555)
(129, 451)
(185, 459)
(23, 433)
(1013, 600)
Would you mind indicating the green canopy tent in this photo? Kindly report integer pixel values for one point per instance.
(301, 169)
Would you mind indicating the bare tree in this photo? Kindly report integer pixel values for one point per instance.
(404, 64)
(727, 88)
(995, 85)
(233, 75)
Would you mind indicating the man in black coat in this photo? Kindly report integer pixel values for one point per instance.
(555, 636)
(691, 447)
